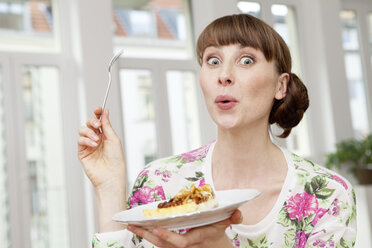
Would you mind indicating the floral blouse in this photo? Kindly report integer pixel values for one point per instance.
(315, 208)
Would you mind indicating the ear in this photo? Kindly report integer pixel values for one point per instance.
(281, 86)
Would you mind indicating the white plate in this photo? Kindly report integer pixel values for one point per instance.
(228, 201)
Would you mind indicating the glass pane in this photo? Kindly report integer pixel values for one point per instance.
(357, 94)
(354, 73)
(349, 30)
(4, 201)
(183, 109)
(251, 8)
(285, 24)
(139, 120)
(153, 28)
(370, 35)
(44, 151)
(27, 24)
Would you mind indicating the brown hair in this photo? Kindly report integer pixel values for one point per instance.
(248, 30)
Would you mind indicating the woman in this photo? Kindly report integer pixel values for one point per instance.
(247, 83)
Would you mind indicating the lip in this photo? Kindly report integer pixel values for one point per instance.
(225, 102)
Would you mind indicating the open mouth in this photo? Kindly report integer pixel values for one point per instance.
(225, 102)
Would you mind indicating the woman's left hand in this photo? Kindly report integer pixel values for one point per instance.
(212, 235)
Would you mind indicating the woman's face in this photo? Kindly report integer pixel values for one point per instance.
(240, 85)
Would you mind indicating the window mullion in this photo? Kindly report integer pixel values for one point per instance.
(365, 54)
(161, 105)
(18, 170)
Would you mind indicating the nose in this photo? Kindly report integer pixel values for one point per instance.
(226, 76)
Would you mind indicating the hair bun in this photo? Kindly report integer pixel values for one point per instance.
(288, 112)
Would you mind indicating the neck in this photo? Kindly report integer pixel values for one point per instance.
(249, 152)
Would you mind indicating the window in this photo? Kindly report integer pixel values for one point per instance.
(44, 154)
(183, 109)
(154, 28)
(251, 8)
(4, 201)
(354, 73)
(27, 26)
(370, 36)
(139, 120)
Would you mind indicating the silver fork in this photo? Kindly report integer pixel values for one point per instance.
(112, 62)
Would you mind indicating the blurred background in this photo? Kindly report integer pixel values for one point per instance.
(54, 57)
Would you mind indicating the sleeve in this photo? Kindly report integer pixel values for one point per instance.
(336, 226)
(118, 239)
(145, 190)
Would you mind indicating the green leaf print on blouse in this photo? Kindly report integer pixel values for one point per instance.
(110, 244)
(260, 242)
(318, 186)
(198, 176)
(346, 244)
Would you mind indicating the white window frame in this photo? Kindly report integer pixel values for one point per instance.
(19, 194)
(363, 9)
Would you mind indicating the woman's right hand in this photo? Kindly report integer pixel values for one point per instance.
(101, 153)
(103, 161)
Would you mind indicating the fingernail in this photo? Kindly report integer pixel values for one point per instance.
(96, 123)
(93, 143)
(156, 232)
(95, 137)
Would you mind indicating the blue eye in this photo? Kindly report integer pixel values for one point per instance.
(213, 61)
(246, 61)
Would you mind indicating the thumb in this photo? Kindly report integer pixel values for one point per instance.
(107, 129)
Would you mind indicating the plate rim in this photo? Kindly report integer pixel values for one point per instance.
(255, 193)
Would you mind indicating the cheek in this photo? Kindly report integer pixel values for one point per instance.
(261, 86)
(204, 85)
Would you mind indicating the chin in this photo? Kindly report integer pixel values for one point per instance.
(227, 124)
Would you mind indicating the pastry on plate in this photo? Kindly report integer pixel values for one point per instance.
(185, 201)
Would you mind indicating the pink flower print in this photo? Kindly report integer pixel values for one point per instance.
(319, 214)
(183, 231)
(301, 206)
(164, 174)
(196, 154)
(159, 191)
(335, 208)
(236, 243)
(146, 195)
(202, 182)
(300, 240)
(325, 244)
(340, 180)
(143, 173)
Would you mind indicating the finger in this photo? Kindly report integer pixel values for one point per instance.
(148, 236)
(172, 237)
(98, 112)
(200, 234)
(106, 125)
(236, 217)
(94, 123)
(86, 142)
(88, 133)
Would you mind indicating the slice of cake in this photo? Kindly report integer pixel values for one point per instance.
(185, 201)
